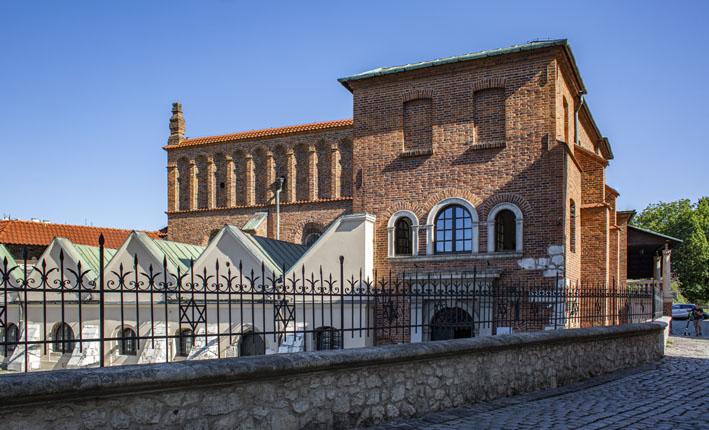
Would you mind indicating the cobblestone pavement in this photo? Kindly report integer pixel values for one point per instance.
(665, 394)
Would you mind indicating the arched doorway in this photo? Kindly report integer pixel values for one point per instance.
(451, 323)
(251, 344)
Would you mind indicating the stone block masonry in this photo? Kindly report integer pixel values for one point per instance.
(319, 390)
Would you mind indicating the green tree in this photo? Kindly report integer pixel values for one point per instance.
(690, 223)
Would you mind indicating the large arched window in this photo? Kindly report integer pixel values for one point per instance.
(454, 230)
(504, 228)
(63, 338)
(251, 344)
(11, 335)
(185, 342)
(505, 231)
(128, 342)
(328, 338)
(403, 237)
(403, 234)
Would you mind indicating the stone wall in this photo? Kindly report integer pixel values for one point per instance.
(327, 389)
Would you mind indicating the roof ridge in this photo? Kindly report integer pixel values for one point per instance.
(273, 131)
(6, 222)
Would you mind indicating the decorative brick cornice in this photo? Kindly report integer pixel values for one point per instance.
(484, 84)
(515, 199)
(417, 94)
(260, 205)
(452, 192)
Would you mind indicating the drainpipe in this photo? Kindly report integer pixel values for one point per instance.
(280, 181)
(576, 119)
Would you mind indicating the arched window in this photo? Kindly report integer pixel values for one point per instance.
(128, 342)
(251, 344)
(328, 338)
(11, 335)
(403, 236)
(311, 239)
(505, 231)
(185, 342)
(63, 339)
(504, 228)
(454, 230)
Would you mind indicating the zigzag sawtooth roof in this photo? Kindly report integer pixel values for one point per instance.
(23, 232)
(268, 132)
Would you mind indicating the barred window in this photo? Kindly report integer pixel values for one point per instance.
(128, 342)
(403, 236)
(327, 338)
(63, 339)
(505, 231)
(454, 230)
(185, 342)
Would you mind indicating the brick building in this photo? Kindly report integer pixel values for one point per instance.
(487, 160)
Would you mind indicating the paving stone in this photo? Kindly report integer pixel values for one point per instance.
(657, 395)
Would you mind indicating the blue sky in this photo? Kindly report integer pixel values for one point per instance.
(86, 87)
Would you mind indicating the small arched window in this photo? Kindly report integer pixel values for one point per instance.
(311, 239)
(185, 342)
(403, 236)
(505, 231)
(454, 230)
(11, 336)
(251, 344)
(128, 342)
(328, 338)
(63, 339)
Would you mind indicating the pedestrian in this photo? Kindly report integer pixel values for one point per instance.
(697, 316)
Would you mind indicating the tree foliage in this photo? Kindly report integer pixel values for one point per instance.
(690, 223)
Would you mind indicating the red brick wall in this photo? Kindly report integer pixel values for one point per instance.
(528, 166)
(195, 227)
(417, 125)
(594, 243)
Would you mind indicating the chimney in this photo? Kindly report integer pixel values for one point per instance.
(177, 125)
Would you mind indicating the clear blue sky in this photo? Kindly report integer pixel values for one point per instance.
(86, 86)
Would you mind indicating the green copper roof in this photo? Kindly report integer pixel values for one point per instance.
(467, 57)
(283, 254)
(178, 253)
(89, 255)
(4, 253)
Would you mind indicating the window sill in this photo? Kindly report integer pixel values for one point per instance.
(455, 257)
(489, 145)
(416, 153)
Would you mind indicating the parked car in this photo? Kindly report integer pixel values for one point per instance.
(681, 311)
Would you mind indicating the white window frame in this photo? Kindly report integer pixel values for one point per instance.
(431, 220)
(391, 228)
(519, 225)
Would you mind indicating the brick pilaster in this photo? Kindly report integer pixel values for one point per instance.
(193, 190)
(173, 192)
(334, 172)
(290, 177)
(249, 184)
(312, 174)
(211, 184)
(230, 194)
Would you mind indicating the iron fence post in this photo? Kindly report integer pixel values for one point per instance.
(102, 319)
(342, 302)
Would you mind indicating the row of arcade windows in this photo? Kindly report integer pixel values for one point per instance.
(453, 229)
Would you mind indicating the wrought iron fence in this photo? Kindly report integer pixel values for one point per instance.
(56, 317)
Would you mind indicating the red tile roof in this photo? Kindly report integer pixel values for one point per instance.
(40, 233)
(253, 134)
